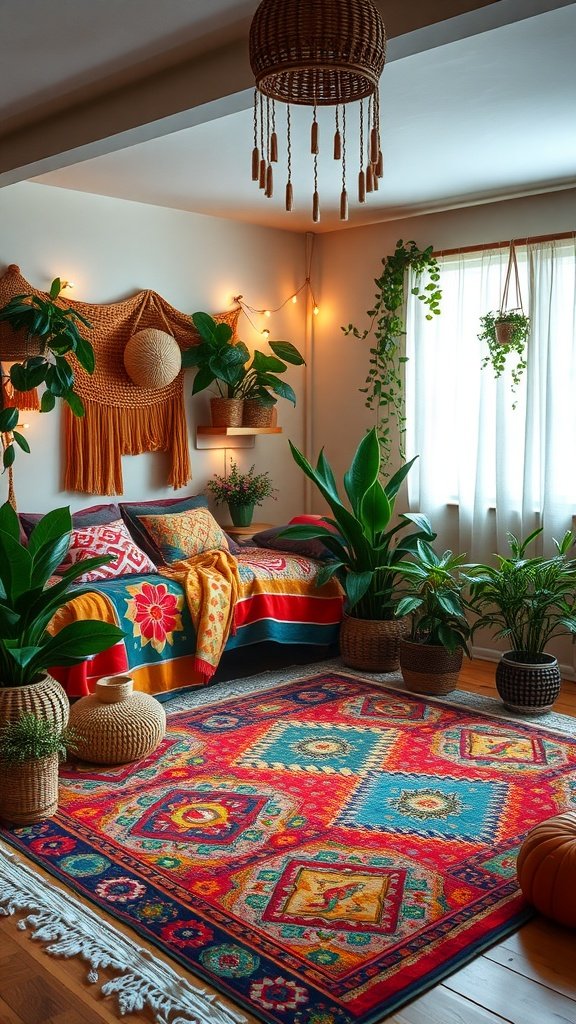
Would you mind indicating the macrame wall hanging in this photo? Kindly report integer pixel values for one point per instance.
(121, 418)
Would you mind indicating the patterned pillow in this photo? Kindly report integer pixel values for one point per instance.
(132, 511)
(109, 539)
(184, 534)
(314, 548)
(96, 515)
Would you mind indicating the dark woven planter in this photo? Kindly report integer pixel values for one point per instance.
(428, 668)
(256, 414)
(372, 645)
(226, 412)
(529, 684)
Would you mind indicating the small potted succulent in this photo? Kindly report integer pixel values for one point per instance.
(30, 750)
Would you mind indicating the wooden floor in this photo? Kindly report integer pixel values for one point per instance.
(528, 978)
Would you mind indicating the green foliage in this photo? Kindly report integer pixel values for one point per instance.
(368, 548)
(28, 603)
(31, 738)
(56, 327)
(527, 601)
(218, 361)
(433, 597)
(384, 387)
(260, 380)
(241, 488)
(497, 352)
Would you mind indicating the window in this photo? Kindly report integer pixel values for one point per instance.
(476, 451)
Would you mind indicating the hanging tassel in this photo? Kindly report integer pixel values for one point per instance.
(314, 137)
(269, 182)
(380, 165)
(362, 187)
(255, 163)
(374, 146)
(274, 148)
(289, 197)
(375, 182)
(337, 146)
(262, 174)
(316, 208)
(344, 205)
(369, 178)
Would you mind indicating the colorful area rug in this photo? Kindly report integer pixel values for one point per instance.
(321, 852)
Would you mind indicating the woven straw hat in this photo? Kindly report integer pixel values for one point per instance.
(152, 358)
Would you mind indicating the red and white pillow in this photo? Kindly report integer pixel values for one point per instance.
(109, 539)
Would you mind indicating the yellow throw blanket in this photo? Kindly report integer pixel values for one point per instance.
(211, 584)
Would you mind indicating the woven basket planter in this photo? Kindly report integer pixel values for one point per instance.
(116, 725)
(226, 412)
(45, 699)
(528, 684)
(372, 645)
(257, 415)
(429, 668)
(29, 791)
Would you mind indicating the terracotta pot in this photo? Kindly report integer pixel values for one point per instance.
(429, 668)
(528, 683)
(226, 412)
(45, 699)
(372, 645)
(503, 330)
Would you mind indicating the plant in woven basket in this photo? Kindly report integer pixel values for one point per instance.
(526, 601)
(30, 595)
(433, 599)
(219, 362)
(500, 353)
(369, 548)
(384, 387)
(55, 326)
(31, 738)
(261, 381)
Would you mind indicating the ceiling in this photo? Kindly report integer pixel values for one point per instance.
(152, 103)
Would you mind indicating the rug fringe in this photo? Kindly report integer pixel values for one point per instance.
(74, 930)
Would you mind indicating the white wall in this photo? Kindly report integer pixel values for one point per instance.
(111, 248)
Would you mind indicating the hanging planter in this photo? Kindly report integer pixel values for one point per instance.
(506, 331)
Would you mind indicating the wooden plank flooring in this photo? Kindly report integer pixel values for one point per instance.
(528, 978)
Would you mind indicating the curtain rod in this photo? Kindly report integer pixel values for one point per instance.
(502, 245)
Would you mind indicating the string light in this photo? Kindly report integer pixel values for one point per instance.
(305, 287)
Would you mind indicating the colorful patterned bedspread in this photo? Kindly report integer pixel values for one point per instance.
(278, 601)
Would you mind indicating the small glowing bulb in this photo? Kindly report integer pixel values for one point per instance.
(266, 333)
(267, 312)
(294, 298)
(23, 426)
(67, 284)
(316, 310)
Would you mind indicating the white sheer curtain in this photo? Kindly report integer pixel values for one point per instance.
(493, 467)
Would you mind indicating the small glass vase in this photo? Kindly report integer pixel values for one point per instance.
(241, 515)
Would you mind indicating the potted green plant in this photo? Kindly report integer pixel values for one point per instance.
(241, 492)
(527, 602)
(30, 749)
(431, 656)
(29, 598)
(219, 363)
(369, 548)
(53, 328)
(261, 383)
(505, 333)
(384, 387)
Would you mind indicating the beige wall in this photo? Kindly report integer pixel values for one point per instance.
(110, 249)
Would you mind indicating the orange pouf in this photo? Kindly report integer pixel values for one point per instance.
(547, 868)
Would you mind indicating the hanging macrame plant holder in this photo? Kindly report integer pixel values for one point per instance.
(503, 327)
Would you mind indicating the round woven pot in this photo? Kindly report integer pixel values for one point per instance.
(529, 684)
(372, 645)
(257, 415)
(503, 330)
(152, 358)
(241, 515)
(45, 699)
(29, 791)
(116, 725)
(226, 412)
(429, 668)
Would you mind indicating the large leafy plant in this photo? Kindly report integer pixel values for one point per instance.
(56, 328)
(261, 379)
(28, 602)
(367, 544)
(526, 601)
(433, 597)
(218, 361)
(384, 387)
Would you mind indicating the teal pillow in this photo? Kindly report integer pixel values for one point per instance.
(132, 512)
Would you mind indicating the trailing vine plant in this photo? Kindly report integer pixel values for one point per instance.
(384, 387)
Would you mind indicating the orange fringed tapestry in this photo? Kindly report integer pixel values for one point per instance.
(121, 419)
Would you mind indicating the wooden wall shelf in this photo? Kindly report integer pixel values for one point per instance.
(231, 437)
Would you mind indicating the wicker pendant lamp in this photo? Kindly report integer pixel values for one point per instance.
(317, 53)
